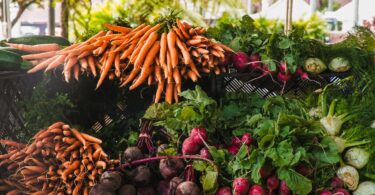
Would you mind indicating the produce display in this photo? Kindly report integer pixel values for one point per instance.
(59, 160)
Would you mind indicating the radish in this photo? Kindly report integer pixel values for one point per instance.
(240, 185)
(233, 150)
(283, 78)
(240, 60)
(257, 190)
(265, 72)
(255, 62)
(283, 68)
(265, 172)
(236, 141)
(304, 76)
(325, 192)
(246, 139)
(304, 170)
(272, 183)
(205, 153)
(224, 191)
(341, 191)
(190, 147)
(198, 134)
(284, 189)
(336, 183)
(226, 60)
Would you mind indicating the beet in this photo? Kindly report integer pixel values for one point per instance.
(190, 147)
(170, 168)
(173, 184)
(142, 176)
(132, 153)
(325, 192)
(224, 191)
(146, 191)
(246, 139)
(197, 134)
(205, 153)
(257, 190)
(341, 191)
(236, 141)
(240, 185)
(163, 187)
(233, 150)
(188, 188)
(110, 180)
(336, 182)
(98, 190)
(272, 183)
(240, 60)
(284, 189)
(127, 189)
(304, 170)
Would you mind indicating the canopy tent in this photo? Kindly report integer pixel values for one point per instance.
(277, 11)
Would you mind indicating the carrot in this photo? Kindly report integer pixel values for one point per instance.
(187, 26)
(182, 29)
(184, 51)
(69, 140)
(140, 33)
(36, 169)
(76, 72)
(169, 65)
(194, 41)
(175, 94)
(178, 33)
(158, 73)
(39, 55)
(192, 75)
(107, 67)
(84, 54)
(121, 29)
(148, 33)
(146, 48)
(55, 63)
(159, 90)
(43, 135)
(128, 51)
(202, 51)
(226, 48)
(77, 189)
(12, 143)
(169, 93)
(131, 76)
(86, 190)
(5, 162)
(78, 135)
(70, 169)
(72, 147)
(171, 41)
(68, 66)
(117, 65)
(36, 48)
(14, 192)
(99, 34)
(91, 62)
(55, 125)
(90, 138)
(67, 133)
(176, 76)
(100, 164)
(42, 65)
(83, 63)
(163, 49)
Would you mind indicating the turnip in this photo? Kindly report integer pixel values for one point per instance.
(170, 168)
(110, 180)
(284, 189)
(224, 191)
(240, 185)
(325, 192)
(190, 147)
(98, 190)
(365, 188)
(336, 182)
(246, 139)
(188, 188)
(349, 175)
(236, 141)
(205, 153)
(163, 187)
(233, 150)
(197, 134)
(146, 191)
(132, 153)
(314, 66)
(240, 60)
(257, 190)
(357, 157)
(255, 62)
(173, 184)
(127, 189)
(341, 191)
(339, 64)
(272, 183)
(142, 176)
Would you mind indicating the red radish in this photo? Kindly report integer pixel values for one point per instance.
(304, 170)
(272, 183)
(224, 191)
(233, 150)
(190, 147)
(246, 139)
(341, 191)
(226, 60)
(265, 172)
(284, 189)
(283, 78)
(255, 62)
(236, 141)
(257, 190)
(283, 68)
(304, 76)
(205, 153)
(325, 192)
(336, 183)
(240, 60)
(198, 134)
(266, 72)
(240, 185)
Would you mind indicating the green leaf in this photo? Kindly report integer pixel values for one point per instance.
(199, 165)
(210, 182)
(266, 142)
(187, 113)
(295, 181)
(282, 155)
(284, 43)
(217, 155)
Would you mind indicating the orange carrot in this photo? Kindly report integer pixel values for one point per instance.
(39, 55)
(182, 29)
(90, 138)
(169, 93)
(36, 48)
(176, 76)
(55, 63)
(163, 49)
(91, 62)
(128, 51)
(145, 48)
(175, 94)
(78, 135)
(158, 76)
(55, 125)
(184, 51)
(171, 41)
(42, 65)
(76, 71)
(100, 164)
(178, 33)
(192, 75)
(159, 90)
(107, 67)
(83, 63)
(121, 29)
(117, 65)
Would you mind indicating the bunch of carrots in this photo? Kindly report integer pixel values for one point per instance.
(163, 55)
(60, 160)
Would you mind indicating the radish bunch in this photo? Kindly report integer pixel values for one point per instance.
(236, 143)
(194, 143)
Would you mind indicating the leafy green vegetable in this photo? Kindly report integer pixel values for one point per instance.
(295, 181)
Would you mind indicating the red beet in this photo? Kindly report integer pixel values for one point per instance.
(336, 183)
(341, 191)
(236, 141)
(224, 191)
(170, 168)
(257, 190)
(233, 150)
(190, 147)
(272, 183)
(198, 134)
(163, 187)
(240, 60)
(246, 139)
(255, 62)
(284, 189)
(205, 153)
(304, 170)
(240, 185)
(325, 192)
(188, 188)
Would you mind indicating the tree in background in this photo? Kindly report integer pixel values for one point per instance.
(22, 6)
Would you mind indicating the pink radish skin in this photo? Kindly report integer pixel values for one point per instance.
(336, 183)
(304, 170)
(325, 192)
(240, 60)
(240, 185)
(224, 191)
(341, 191)
(205, 153)
(284, 189)
(265, 72)
(246, 139)
(233, 150)
(265, 172)
(197, 134)
(283, 67)
(257, 190)
(255, 62)
(304, 76)
(190, 147)
(236, 141)
(283, 78)
(272, 183)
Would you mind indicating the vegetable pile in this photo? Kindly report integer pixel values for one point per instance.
(160, 54)
(59, 160)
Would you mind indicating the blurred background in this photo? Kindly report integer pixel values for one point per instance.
(323, 19)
